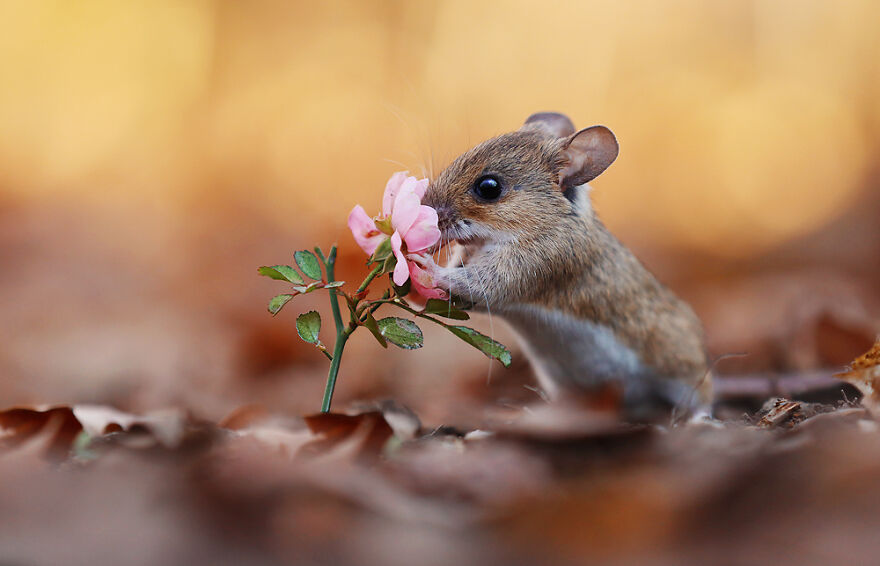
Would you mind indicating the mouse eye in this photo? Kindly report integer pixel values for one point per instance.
(488, 188)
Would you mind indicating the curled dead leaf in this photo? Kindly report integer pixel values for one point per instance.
(361, 436)
(166, 426)
(58, 425)
(864, 374)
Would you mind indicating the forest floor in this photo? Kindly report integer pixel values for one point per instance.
(794, 482)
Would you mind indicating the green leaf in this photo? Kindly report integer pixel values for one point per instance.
(277, 302)
(308, 325)
(303, 289)
(402, 290)
(389, 265)
(373, 327)
(401, 332)
(382, 252)
(334, 284)
(483, 343)
(444, 309)
(282, 273)
(308, 263)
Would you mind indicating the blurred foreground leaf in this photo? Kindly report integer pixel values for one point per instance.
(864, 374)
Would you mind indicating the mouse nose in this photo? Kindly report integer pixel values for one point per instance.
(445, 217)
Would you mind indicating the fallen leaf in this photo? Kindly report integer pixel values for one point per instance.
(167, 426)
(864, 374)
(20, 424)
(364, 434)
(402, 420)
(779, 412)
(244, 417)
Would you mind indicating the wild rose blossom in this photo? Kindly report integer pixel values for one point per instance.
(408, 230)
(411, 226)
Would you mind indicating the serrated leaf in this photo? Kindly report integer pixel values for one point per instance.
(401, 332)
(277, 302)
(334, 284)
(308, 325)
(444, 309)
(282, 273)
(491, 348)
(308, 263)
(373, 327)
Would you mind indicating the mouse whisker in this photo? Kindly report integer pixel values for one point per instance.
(395, 162)
(482, 286)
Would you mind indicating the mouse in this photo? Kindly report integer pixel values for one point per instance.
(527, 245)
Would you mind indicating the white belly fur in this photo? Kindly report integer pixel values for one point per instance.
(567, 352)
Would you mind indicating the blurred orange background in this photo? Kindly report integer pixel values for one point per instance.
(152, 154)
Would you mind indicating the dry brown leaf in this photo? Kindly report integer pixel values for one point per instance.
(402, 420)
(244, 417)
(285, 435)
(63, 423)
(168, 426)
(780, 412)
(20, 424)
(864, 374)
(558, 423)
(364, 434)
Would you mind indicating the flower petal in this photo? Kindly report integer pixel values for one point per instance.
(401, 271)
(405, 209)
(424, 232)
(391, 189)
(364, 230)
(420, 188)
(423, 282)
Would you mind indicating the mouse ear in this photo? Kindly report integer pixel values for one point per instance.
(551, 122)
(587, 153)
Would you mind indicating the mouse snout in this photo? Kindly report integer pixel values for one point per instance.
(445, 217)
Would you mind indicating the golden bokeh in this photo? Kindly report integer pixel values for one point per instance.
(742, 124)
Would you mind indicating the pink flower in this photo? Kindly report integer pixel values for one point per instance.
(423, 282)
(411, 225)
(364, 230)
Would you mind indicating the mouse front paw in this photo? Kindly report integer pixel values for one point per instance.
(454, 281)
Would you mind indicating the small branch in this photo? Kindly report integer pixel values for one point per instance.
(376, 271)
(418, 314)
(323, 349)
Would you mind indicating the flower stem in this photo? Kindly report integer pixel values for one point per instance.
(341, 332)
(417, 313)
(341, 338)
(376, 271)
(329, 265)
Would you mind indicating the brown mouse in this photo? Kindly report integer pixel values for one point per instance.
(532, 250)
